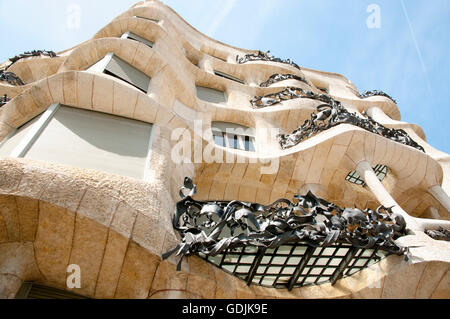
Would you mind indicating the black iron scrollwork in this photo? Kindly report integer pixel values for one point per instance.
(264, 56)
(334, 113)
(10, 77)
(329, 114)
(274, 78)
(288, 94)
(28, 54)
(440, 234)
(367, 94)
(3, 100)
(213, 227)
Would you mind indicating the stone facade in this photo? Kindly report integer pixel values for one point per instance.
(116, 228)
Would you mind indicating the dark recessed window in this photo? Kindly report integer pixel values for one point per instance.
(30, 290)
(227, 76)
(380, 170)
(135, 37)
(154, 20)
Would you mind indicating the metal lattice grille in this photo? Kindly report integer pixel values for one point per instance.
(380, 170)
(294, 265)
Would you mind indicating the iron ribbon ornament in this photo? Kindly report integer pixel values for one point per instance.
(439, 234)
(367, 94)
(264, 56)
(210, 228)
(3, 100)
(274, 78)
(10, 77)
(33, 53)
(329, 114)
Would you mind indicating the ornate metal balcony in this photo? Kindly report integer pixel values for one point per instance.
(328, 115)
(288, 94)
(29, 54)
(3, 100)
(274, 78)
(264, 56)
(285, 244)
(10, 77)
(440, 234)
(367, 94)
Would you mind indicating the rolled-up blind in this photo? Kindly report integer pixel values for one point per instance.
(94, 140)
(210, 95)
(121, 69)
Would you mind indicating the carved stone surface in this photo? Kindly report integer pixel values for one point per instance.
(10, 77)
(213, 227)
(3, 100)
(367, 94)
(274, 78)
(440, 234)
(264, 56)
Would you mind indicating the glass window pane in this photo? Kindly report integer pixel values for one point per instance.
(233, 141)
(249, 144)
(94, 140)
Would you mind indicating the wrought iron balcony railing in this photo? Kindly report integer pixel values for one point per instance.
(10, 77)
(285, 244)
(3, 100)
(367, 94)
(274, 78)
(264, 56)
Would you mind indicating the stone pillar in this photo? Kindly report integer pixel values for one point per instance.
(441, 196)
(365, 170)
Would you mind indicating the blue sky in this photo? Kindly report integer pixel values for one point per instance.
(407, 57)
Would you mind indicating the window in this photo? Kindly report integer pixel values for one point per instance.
(118, 68)
(31, 290)
(380, 170)
(233, 136)
(83, 138)
(130, 35)
(211, 95)
(154, 20)
(294, 265)
(227, 76)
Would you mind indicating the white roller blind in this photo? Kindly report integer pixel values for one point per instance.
(211, 95)
(10, 143)
(94, 140)
(121, 69)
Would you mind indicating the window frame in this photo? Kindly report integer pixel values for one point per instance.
(228, 137)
